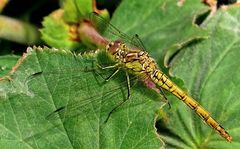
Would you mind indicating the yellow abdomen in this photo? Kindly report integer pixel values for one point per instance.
(162, 81)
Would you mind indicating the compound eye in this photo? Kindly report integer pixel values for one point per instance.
(113, 47)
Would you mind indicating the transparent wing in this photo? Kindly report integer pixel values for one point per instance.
(94, 103)
(91, 96)
(98, 103)
(105, 26)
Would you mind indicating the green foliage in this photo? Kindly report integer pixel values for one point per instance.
(57, 26)
(31, 96)
(205, 58)
(162, 25)
(7, 62)
(210, 72)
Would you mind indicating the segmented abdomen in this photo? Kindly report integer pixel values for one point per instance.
(162, 81)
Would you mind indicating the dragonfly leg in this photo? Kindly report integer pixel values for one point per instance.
(165, 98)
(104, 68)
(128, 85)
(114, 109)
(113, 74)
(109, 77)
(108, 67)
(122, 102)
(101, 67)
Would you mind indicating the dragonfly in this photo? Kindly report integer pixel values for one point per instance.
(129, 54)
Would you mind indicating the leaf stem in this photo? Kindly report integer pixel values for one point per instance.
(18, 31)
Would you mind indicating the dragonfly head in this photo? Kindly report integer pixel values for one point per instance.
(114, 47)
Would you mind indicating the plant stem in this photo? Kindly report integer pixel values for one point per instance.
(18, 31)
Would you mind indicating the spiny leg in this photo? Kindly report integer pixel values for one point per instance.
(109, 67)
(108, 78)
(113, 74)
(101, 67)
(104, 68)
(165, 98)
(128, 86)
(122, 102)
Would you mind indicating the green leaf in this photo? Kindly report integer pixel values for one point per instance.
(161, 24)
(48, 79)
(6, 64)
(61, 28)
(210, 70)
(56, 32)
(30, 96)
